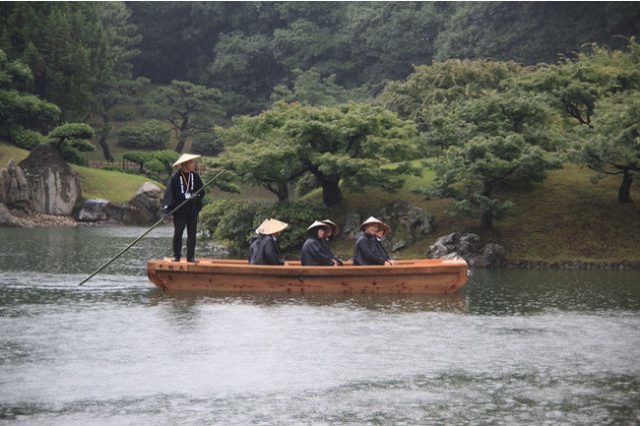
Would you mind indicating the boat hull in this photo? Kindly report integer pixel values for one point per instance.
(214, 275)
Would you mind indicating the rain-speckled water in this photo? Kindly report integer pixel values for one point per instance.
(514, 347)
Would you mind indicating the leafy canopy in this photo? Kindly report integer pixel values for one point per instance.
(352, 144)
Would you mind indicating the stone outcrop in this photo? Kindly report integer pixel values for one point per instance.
(142, 209)
(470, 248)
(14, 189)
(9, 220)
(408, 223)
(54, 188)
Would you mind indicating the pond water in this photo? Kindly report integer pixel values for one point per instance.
(513, 347)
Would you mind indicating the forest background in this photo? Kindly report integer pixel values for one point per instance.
(522, 118)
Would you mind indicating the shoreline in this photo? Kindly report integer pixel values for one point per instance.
(40, 220)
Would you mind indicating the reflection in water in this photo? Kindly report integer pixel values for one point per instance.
(389, 303)
(514, 347)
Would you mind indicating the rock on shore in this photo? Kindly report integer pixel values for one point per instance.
(142, 209)
(469, 247)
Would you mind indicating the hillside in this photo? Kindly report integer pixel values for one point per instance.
(564, 218)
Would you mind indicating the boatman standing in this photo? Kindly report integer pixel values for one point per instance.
(367, 251)
(180, 187)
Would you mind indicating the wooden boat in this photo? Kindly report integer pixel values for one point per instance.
(231, 275)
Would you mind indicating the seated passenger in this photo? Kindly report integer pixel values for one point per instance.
(367, 251)
(384, 228)
(264, 250)
(315, 251)
(331, 233)
(253, 242)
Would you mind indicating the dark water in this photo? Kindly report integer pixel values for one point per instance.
(514, 347)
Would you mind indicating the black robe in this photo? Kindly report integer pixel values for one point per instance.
(175, 194)
(264, 251)
(367, 251)
(383, 251)
(315, 252)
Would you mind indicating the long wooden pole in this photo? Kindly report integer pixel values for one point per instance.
(97, 271)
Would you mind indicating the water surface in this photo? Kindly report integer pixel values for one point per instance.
(514, 347)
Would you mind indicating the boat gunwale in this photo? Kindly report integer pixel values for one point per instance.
(419, 267)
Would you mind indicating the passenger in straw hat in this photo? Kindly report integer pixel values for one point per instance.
(180, 187)
(367, 251)
(315, 251)
(331, 234)
(382, 231)
(264, 249)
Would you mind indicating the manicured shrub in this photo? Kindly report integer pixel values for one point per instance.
(25, 138)
(207, 144)
(152, 134)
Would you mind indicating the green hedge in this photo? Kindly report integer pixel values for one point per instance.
(152, 134)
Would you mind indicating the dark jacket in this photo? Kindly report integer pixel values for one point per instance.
(264, 251)
(367, 251)
(315, 252)
(325, 243)
(381, 249)
(177, 188)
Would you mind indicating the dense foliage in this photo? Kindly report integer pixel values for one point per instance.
(351, 144)
(151, 134)
(236, 221)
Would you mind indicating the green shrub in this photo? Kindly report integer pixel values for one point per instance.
(25, 138)
(306, 184)
(230, 221)
(207, 144)
(235, 222)
(155, 169)
(124, 113)
(152, 134)
(156, 164)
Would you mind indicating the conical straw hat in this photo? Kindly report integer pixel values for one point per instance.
(186, 157)
(333, 225)
(370, 221)
(273, 226)
(259, 229)
(317, 224)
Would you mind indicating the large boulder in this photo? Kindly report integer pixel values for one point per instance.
(54, 187)
(14, 189)
(9, 220)
(142, 209)
(469, 247)
(99, 210)
(145, 206)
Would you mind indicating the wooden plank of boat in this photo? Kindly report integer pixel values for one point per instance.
(233, 275)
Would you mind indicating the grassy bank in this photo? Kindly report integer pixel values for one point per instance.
(564, 218)
(114, 186)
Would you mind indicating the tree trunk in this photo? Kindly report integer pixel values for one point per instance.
(331, 194)
(486, 222)
(182, 136)
(283, 193)
(624, 193)
(104, 135)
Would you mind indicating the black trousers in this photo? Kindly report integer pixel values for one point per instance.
(180, 221)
